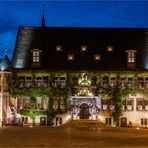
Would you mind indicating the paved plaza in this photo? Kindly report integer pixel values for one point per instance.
(61, 137)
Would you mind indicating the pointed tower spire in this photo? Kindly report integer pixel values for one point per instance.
(6, 51)
(43, 19)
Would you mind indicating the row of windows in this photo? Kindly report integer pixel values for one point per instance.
(128, 105)
(144, 121)
(26, 104)
(83, 48)
(105, 81)
(97, 57)
(71, 57)
(95, 78)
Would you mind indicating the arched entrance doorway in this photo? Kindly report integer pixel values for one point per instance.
(123, 122)
(84, 111)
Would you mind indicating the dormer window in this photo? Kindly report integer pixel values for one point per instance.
(131, 58)
(97, 57)
(109, 48)
(36, 57)
(83, 48)
(70, 57)
(131, 54)
(58, 48)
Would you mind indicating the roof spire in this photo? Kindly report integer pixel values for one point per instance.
(43, 19)
(6, 51)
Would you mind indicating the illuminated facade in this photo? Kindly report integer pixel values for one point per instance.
(76, 73)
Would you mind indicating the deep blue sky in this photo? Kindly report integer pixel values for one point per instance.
(68, 13)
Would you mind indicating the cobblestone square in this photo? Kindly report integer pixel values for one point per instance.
(61, 137)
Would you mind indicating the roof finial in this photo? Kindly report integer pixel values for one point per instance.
(43, 19)
(6, 51)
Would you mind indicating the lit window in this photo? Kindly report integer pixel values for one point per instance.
(109, 48)
(97, 57)
(131, 56)
(70, 57)
(36, 55)
(58, 48)
(83, 48)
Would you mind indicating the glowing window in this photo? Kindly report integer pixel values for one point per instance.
(36, 56)
(131, 54)
(110, 48)
(97, 57)
(83, 48)
(70, 57)
(58, 48)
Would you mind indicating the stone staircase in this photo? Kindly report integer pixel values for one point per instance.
(86, 124)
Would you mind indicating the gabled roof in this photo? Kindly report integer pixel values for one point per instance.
(5, 64)
(71, 39)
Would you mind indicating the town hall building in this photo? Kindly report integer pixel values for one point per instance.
(59, 74)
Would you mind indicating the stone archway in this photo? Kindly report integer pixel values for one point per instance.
(84, 111)
(85, 107)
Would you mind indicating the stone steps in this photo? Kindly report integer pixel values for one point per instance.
(85, 124)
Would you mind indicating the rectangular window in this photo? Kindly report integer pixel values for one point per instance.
(97, 57)
(83, 48)
(143, 121)
(70, 57)
(108, 121)
(131, 56)
(36, 56)
(58, 48)
(110, 48)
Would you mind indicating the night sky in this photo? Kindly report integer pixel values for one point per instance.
(68, 13)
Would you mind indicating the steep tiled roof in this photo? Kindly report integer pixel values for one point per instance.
(71, 40)
(5, 63)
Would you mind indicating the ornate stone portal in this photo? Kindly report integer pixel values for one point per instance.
(85, 105)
